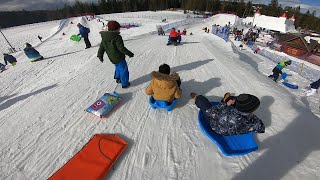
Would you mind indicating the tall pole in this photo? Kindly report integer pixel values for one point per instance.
(7, 40)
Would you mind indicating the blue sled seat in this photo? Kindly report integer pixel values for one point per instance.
(236, 145)
(162, 104)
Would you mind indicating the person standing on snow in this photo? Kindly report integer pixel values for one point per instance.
(84, 32)
(112, 44)
(9, 59)
(278, 69)
(40, 38)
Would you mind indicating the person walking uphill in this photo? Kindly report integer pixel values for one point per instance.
(112, 44)
(9, 59)
(84, 32)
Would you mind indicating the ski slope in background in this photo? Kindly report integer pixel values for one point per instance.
(43, 123)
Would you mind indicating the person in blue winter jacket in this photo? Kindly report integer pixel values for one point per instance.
(84, 32)
(32, 53)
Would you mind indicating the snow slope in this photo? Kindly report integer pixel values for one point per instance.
(43, 123)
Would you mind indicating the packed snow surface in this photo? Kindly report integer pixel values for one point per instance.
(43, 123)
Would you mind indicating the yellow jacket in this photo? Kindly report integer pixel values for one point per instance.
(164, 87)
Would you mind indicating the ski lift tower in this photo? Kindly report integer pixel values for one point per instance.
(13, 50)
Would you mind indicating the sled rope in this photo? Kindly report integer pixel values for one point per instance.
(102, 152)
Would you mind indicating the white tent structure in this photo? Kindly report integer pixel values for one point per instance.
(281, 24)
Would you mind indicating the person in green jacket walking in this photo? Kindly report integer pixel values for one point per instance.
(112, 44)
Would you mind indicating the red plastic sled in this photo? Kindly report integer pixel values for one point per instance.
(94, 160)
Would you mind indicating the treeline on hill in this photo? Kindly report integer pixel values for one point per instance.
(306, 20)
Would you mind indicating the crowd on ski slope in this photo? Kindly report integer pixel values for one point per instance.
(233, 116)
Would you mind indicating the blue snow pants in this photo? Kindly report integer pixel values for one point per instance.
(122, 73)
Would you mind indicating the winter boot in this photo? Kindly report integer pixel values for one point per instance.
(124, 87)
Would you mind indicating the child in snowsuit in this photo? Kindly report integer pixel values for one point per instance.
(233, 116)
(164, 86)
(2, 67)
(314, 86)
(32, 53)
(84, 32)
(112, 44)
(278, 69)
(184, 32)
(173, 37)
(160, 31)
(9, 59)
(179, 36)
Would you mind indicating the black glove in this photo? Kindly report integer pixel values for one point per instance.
(131, 55)
(101, 59)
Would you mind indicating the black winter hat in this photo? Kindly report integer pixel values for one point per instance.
(164, 69)
(28, 45)
(247, 103)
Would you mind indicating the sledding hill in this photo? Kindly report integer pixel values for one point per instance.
(43, 123)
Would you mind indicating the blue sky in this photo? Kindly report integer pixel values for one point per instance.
(305, 5)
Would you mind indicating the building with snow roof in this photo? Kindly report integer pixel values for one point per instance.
(281, 24)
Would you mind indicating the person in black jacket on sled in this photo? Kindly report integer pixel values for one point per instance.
(233, 116)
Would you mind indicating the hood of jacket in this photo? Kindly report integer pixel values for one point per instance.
(165, 81)
(109, 35)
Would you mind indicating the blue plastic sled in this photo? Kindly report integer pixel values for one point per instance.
(104, 104)
(292, 86)
(162, 104)
(237, 145)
